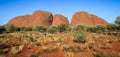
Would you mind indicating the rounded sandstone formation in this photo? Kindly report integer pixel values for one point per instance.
(85, 18)
(58, 19)
(39, 18)
(42, 18)
(21, 20)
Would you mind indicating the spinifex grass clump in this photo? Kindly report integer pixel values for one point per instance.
(31, 39)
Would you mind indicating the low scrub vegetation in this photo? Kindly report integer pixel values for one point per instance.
(52, 30)
(65, 40)
(40, 40)
(63, 27)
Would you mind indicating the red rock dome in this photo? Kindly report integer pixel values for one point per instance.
(85, 18)
(58, 19)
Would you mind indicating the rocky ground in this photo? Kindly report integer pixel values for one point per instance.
(37, 44)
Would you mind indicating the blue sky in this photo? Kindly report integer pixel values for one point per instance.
(107, 9)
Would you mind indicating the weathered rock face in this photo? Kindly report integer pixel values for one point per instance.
(43, 18)
(85, 18)
(38, 18)
(58, 19)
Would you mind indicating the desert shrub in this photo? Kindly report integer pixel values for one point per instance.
(79, 33)
(79, 27)
(112, 27)
(65, 47)
(39, 28)
(31, 39)
(80, 36)
(17, 29)
(25, 28)
(38, 44)
(68, 29)
(91, 29)
(52, 29)
(117, 21)
(62, 27)
(22, 28)
(2, 29)
(28, 28)
(110, 55)
(101, 28)
(17, 49)
(118, 28)
(118, 34)
(3, 55)
(76, 49)
(10, 28)
(32, 55)
(99, 54)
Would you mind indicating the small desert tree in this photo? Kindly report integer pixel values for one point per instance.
(118, 20)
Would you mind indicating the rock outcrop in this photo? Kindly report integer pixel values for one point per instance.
(58, 19)
(44, 18)
(85, 18)
(38, 18)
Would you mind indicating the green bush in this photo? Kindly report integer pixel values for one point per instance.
(101, 28)
(52, 29)
(99, 54)
(112, 27)
(68, 29)
(17, 29)
(28, 28)
(91, 29)
(80, 36)
(22, 28)
(31, 39)
(80, 33)
(2, 29)
(39, 28)
(38, 44)
(117, 21)
(10, 28)
(62, 27)
(79, 27)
